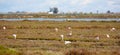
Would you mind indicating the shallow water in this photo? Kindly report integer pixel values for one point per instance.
(62, 19)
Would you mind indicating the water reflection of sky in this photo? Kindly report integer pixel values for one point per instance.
(62, 19)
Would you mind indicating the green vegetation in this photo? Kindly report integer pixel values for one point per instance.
(8, 51)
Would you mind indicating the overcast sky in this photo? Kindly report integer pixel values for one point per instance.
(63, 5)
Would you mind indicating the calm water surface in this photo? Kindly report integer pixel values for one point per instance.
(62, 19)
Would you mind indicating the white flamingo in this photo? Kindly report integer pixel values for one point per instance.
(69, 28)
(4, 27)
(97, 38)
(14, 35)
(70, 34)
(113, 29)
(62, 36)
(108, 36)
(65, 42)
(56, 29)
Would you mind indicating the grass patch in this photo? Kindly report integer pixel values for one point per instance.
(79, 52)
(8, 51)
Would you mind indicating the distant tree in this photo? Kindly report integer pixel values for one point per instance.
(17, 11)
(80, 12)
(10, 12)
(85, 13)
(55, 10)
(51, 9)
(75, 13)
(108, 11)
(91, 13)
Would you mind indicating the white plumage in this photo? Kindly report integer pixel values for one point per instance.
(4, 27)
(113, 29)
(108, 36)
(62, 36)
(97, 38)
(69, 28)
(14, 35)
(70, 34)
(56, 29)
(67, 42)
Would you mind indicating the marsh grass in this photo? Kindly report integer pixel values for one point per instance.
(79, 52)
(39, 37)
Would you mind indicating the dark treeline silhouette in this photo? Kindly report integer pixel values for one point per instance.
(56, 14)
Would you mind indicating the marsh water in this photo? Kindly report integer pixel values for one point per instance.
(62, 19)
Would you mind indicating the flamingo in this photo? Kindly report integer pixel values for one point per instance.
(97, 38)
(62, 36)
(70, 34)
(4, 27)
(14, 35)
(108, 36)
(69, 28)
(65, 42)
(113, 29)
(56, 29)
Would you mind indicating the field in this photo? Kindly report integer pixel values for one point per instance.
(40, 37)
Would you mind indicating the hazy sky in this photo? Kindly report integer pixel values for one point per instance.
(63, 5)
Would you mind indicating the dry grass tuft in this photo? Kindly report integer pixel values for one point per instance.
(79, 52)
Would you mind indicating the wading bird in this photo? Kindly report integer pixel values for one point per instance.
(69, 28)
(70, 34)
(108, 36)
(113, 29)
(66, 42)
(14, 35)
(62, 36)
(56, 29)
(97, 38)
(4, 27)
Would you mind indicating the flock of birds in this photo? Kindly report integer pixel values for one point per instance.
(107, 35)
(62, 36)
(14, 35)
(70, 34)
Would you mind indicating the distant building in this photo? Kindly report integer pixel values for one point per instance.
(50, 12)
(53, 10)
